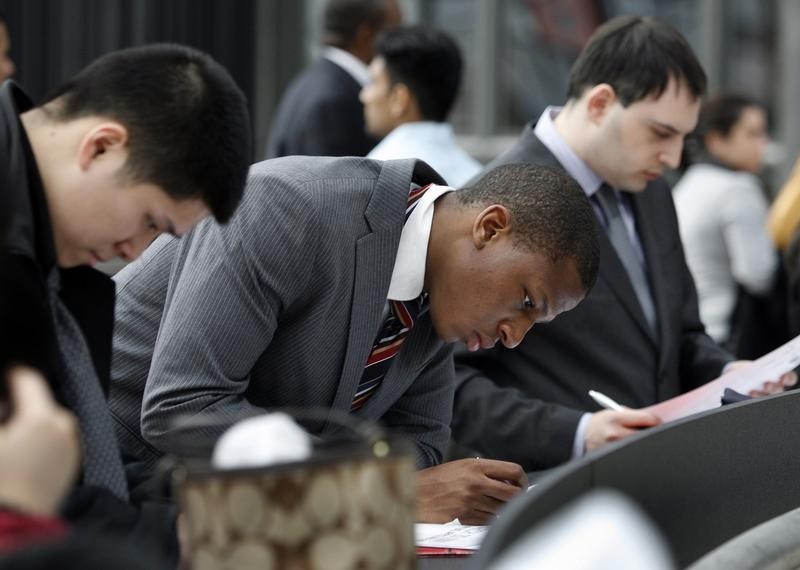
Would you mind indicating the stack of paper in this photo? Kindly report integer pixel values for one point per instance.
(450, 539)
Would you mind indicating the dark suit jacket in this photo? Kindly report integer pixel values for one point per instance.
(27, 334)
(320, 115)
(524, 404)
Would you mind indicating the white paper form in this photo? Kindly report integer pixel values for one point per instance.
(449, 535)
(742, 379)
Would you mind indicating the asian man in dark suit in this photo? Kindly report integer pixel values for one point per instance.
(142, 141)
(320, 113)
(634, 94)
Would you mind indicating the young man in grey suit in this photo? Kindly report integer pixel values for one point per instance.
(634, 94)
(283, 306)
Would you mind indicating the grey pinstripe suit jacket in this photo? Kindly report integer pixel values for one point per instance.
(278, 308)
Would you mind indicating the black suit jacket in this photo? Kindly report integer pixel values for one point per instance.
(27, 335)
(524, 404)
(320, 115)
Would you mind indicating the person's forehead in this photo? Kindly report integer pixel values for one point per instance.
(175, 215)
(377, 66)
(379, 73)
(676, 107)
(753, 115)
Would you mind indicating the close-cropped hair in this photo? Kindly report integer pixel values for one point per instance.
(188, 125)
(637, 56)
(428, 62)
(550, 214)
(721, 112)
(342, 18)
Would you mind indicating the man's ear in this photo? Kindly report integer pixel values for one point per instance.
(490, 224)
(400, 100)
(99, 141)
(599, 100)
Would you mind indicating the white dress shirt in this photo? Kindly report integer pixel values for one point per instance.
(408, 275)
(357, 69)
(435, 144)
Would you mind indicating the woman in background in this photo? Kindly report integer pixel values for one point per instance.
(722, 212)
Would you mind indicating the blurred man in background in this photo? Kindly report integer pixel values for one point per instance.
(320, 114)
(414, 81)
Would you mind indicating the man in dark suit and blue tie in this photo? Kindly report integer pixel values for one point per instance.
(634, 94)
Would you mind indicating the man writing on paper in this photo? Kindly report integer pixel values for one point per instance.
(328, 266)
(634, 94)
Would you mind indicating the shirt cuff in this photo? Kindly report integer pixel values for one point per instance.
(579, 445)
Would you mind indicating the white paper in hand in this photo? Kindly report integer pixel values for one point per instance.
(262, 440)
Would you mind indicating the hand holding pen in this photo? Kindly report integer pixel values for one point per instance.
(604, 401)
(615, 422)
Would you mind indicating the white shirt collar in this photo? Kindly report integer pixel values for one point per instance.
(357, 69)
(408, 275)
(546, 132)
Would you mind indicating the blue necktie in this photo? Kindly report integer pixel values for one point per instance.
(619, 238)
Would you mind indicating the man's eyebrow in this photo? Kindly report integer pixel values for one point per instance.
(666, 126)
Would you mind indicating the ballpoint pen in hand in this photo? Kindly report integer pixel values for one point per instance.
(605, 401)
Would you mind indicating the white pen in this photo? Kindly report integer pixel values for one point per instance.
(605, 401)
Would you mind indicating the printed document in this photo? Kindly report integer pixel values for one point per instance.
(743, 379)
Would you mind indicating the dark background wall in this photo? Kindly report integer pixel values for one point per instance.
(256, 40)
(53, 39)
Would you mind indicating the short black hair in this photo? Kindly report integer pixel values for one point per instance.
(722, 112)
(188, 124)
(719, 114)
(637, 56)
(428, 62)
(550, 214)
(342, 19)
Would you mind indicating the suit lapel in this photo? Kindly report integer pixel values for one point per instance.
(371, 283)
(374, 262)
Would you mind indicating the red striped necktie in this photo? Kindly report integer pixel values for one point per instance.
(395, 329)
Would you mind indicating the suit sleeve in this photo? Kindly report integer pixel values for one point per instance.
(423, 412)
(503, 423)
(228, 288)
(701, 359)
